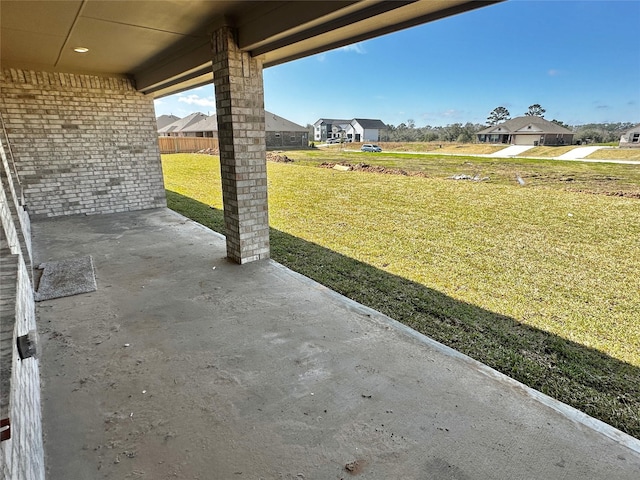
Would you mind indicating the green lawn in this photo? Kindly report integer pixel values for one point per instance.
(600, 178)
(539, 282)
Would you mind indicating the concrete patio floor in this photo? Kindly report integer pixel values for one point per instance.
(184, 365)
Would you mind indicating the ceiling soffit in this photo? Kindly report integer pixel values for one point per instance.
(165, 44)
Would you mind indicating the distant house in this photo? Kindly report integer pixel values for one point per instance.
(176, 128)
(328, 128)
(164, 120)
(356, 130)
(207, 127)
(365, 130)
(527, 130)
(631, 138)
(280, 132)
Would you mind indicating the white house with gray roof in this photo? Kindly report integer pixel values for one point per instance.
(527, 130)
(365, 130)
(631, 138)
(355, 130)
(329, 128)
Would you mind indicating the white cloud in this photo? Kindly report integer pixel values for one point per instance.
(355, 47)
(198, 100)
(553, 72)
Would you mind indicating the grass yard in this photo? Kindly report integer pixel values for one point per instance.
(432, 147)
(616, 154)
(594, 178)
(539, 282)
(459, 149)
(546, 151)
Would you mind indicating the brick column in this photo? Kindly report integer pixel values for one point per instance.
(241, 134)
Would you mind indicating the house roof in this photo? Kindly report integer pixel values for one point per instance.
(179, 125)
(165, 45)
(331, 121)
(208, 124)
(524, 125)
(368, 123)
(633, 130)
(274, 123)
(197, 122)
(164, 120)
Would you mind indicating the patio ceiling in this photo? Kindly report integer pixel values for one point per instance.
(164, 45)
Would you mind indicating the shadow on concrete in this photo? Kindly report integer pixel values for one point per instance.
(587, 379)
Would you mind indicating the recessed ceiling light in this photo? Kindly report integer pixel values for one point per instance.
(81, 49)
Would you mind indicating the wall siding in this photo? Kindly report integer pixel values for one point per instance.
(22, 455)
(82, 144)
(275, 140)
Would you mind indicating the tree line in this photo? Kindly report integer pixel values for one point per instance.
(466, 133)
(408, 132)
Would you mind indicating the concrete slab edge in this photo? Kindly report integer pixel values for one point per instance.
(568, 411)
(196, 224)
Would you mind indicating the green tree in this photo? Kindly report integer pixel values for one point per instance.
(451, 132)
(562, 124)
(497, 115)
(535, 110)
(405, 132)
(429, 136)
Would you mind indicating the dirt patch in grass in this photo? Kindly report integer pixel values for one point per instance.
(608, 194)
(363, 167)
(577, 182)
(278, 157)
(468, 149)
(433, 147)
(209, 151)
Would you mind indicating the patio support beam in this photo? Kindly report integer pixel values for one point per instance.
(239, 92)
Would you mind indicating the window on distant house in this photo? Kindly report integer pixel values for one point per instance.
(277, 134)
(292, 138)
(635, 138)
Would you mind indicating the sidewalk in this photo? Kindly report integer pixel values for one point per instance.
(184, 365)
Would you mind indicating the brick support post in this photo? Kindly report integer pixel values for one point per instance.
(241, 134)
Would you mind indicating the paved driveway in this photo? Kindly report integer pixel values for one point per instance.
(578, 153)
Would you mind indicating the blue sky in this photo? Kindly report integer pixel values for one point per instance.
(579, 59)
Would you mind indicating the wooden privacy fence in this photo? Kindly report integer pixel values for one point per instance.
(186, 144)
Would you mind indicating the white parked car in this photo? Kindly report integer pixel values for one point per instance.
(370, 147)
